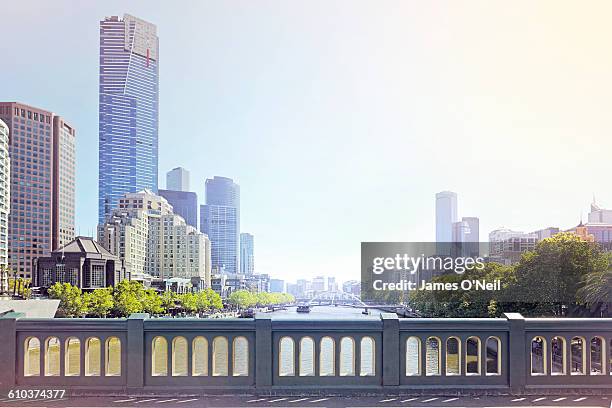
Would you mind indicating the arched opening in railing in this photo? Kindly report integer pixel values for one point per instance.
(472, 356)
(327, 362)
(72, 357)
(307, 357)
(159, 356)
(52, 357)
(240, 351)
(432, 356)
(558, 356)
(347, 357)
(179, 356)
(578, 356)
(31, 357)
(220, 356)
(493, 356)
(538, 356)
(286, 359)
(199, 357)
(113, 357)
(413, 356)
(598, 355)
(92, 356)
(453, 356)
(367, 361)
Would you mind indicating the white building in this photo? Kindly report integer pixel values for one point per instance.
(506, 246)
(599, 215)
(154, 241)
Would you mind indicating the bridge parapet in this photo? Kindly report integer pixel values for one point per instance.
(158, 355)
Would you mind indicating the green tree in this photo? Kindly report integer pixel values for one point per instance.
(72, 303)
(151, 302)
(214, 299)
(168, 299)
(242, 299)
(99, 302)
(189, 302)
(127, 297)
(549, 277)
(596, 291)
(202, 302)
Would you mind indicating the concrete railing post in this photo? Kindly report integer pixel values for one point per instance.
(516, 354)
(8, 351)
(390, 350)
(135, 352)
(264, 355)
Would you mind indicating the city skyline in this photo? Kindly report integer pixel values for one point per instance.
(263, 126)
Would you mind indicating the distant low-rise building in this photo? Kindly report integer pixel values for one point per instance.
(277, 285)
(507, 246)
(83, 263)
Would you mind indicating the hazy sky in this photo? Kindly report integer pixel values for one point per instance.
(340, 120)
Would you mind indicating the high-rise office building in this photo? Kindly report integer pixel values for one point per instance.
(177, 179)
(129, 109)
(220, 220)
(446, 215)
(247, 254)
(5, 193)
(42, 152)
(185, 204)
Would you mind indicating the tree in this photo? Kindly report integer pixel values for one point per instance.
(242, 299)
(71, 300)
(151, 302)
(99, 302)
(596, 291)
(202, 302)
(127, 297)
(168, 299)
(549, 277)
(189, 301)
(214, 299)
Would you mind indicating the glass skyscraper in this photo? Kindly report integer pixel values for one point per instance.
(247, 254)
(129, 109)
(220, 220)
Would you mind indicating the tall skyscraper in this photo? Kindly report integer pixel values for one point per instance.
(220, 220)
(177, 179)
(247, 254)
(5, 195)
(42, 152)
(446, 215)
(129, 109)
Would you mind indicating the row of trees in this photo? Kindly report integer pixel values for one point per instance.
(563, 275)
(244, 299)
(129, 297)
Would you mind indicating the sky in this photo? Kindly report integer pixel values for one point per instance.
(340, 120)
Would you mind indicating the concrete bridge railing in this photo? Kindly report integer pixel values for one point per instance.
(166, 356)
